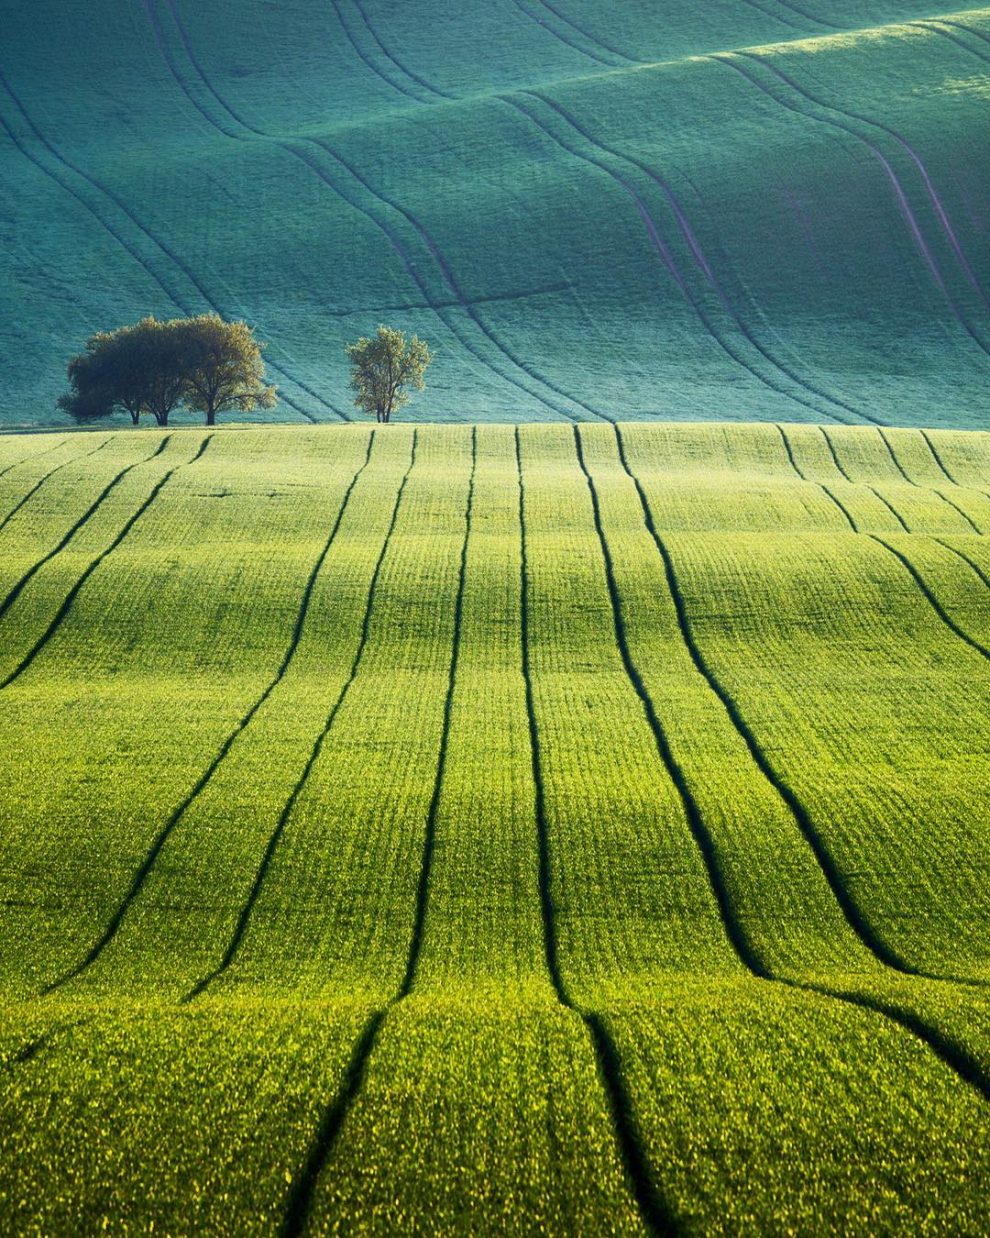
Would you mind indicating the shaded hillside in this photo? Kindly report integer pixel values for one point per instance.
(743, 209)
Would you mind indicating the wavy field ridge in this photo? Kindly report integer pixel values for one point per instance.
(746, 208)
(454, 825)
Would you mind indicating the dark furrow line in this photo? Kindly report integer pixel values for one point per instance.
(891, 508)
(902, 199)
(563, 38)
(367, 61)
(865, 485)
(935, 604)
(463, 302)
(954, 1055)
(592, 38)
(33, 456)
(949, 1050)
(932, 193)
(30, 1051)
(692, 812)
(789, 450)
(332, 1121)
(51, 473)
(699, 257)
(829, 494)
(66, 185)
(965, 515)
(141, 875)
(951, 1053)
(654, 1212)
(758, 8)
(841, 506)
(893, 456)
(393, 240)
(303, 1187)
(966, 559)
(818, 21)
(287, 809)
(941, 464)
(161, 44)
(833, 876)
(392, 59)
(835, 458)
(426, 867)
(15, 592)
(667, 259)
(929, 489)
(70, 597)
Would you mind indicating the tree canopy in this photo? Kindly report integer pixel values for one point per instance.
(152, 367)
(384, 369)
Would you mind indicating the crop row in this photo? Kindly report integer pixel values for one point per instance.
(469, 809)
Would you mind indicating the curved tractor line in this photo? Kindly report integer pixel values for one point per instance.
(569, 41)
(367, 59)
(177, 299)
(304, 1185)
(666, 255)
(821, 486)
(17, 589)
(865, 485)
(144, 869)
(914, 227)
(654, 1211)
(83, 455)
(978, 571)
(818, 21)
(936, 456)
(394, 242)
(703, 263)
(952, 1053)
(392, 59)
(933, 601)
(276, 836)
(34, 455)
(934, 197)
(884, 953)
(70, 597)
(926, 489)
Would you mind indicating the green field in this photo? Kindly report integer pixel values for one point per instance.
(742, 209)
(547, 829)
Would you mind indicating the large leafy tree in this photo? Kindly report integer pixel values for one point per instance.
(153, 366)
(223, 367)
(385, 368)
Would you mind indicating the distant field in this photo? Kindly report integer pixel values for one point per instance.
(744, 209)
(543, 829)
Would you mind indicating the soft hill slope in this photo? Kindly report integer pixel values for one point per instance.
(568, 830)
(739, 209)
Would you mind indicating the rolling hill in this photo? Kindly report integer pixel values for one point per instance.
(552, 828)
(742, 209)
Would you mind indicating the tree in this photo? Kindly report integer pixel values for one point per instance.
(223, 367)
(137, 369)
(152, 367)
(384, 368)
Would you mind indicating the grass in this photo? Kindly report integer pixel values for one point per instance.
(465, 826)
(756, 210)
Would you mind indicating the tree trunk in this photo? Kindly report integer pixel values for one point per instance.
(211, 416)
(162, 418)
(134, 418)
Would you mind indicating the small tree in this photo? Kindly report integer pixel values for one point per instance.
(223, 367)
(384, 368)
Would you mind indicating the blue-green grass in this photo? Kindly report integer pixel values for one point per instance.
(744, 210)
